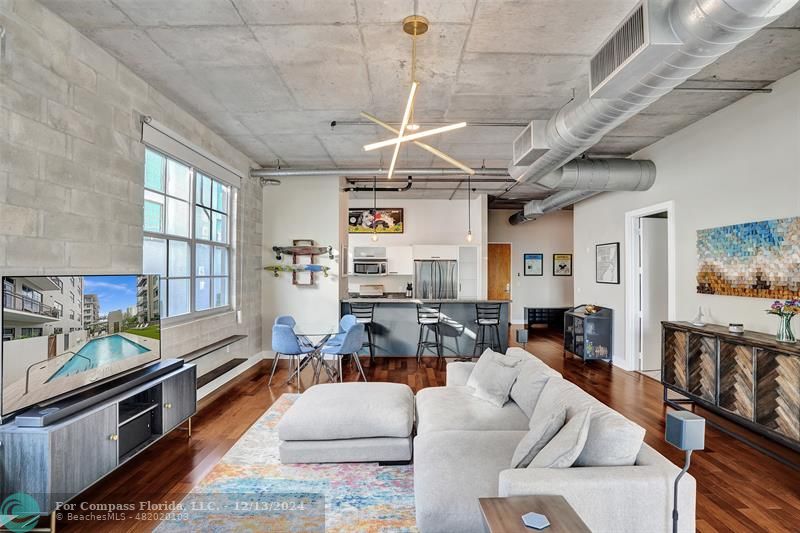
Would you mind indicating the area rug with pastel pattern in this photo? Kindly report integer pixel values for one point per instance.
(250, 490)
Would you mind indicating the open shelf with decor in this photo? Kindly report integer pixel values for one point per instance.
(588, 332)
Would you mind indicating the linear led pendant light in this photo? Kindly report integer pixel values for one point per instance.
(414, 25)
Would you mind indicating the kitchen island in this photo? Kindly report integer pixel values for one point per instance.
(396, 331)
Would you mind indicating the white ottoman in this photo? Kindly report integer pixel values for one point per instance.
(349, 423)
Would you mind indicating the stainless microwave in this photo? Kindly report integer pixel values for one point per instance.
(369, 268)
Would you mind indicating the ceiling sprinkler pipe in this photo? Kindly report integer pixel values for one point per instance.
(407, 187)
(348, 172)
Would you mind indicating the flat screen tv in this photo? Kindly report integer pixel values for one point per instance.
(64, 334)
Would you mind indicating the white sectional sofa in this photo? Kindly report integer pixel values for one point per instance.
(464, 446)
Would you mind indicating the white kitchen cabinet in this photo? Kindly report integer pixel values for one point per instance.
(435, 251)
(400, 260)
(468, 272)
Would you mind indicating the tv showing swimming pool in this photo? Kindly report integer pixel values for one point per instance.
(62, 334)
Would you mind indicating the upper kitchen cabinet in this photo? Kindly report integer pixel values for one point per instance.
(400, 260)
(435, 251)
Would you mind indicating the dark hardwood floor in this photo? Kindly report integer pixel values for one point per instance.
(739, 489)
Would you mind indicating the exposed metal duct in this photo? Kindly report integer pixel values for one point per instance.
(559, 200)
(582, 178)
(299, 172)
(703, 31)
(602, 175)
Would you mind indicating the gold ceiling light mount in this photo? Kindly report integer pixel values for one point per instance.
(414, 25)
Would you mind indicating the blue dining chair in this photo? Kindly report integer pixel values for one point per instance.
(285, 320)
(286, 343)
(288, 320)
(351, 343)
(345, 323)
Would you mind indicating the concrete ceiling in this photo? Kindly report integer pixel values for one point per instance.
(270, 75)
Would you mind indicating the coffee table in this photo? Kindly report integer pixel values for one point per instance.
(504, 515)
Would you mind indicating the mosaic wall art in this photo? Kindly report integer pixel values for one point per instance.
(759, 259)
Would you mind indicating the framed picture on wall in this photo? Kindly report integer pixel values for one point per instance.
(384, 220)
(607, 263)
(533, 264)
(562, 264)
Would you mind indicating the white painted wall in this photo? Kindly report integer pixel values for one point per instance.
(550, 234)
(737, 165)
(427, 222)
(301, 208)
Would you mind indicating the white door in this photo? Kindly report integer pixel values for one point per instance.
(653, 291)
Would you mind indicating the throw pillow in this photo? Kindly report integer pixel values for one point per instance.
(492, 377)
(566, 446)
(541, 432)
(613, 441)
(533, 375)
(548, 401)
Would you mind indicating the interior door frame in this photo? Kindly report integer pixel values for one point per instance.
(510, 271)
(632, 361)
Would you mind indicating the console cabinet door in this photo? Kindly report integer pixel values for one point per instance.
(83, 451)
(179, 398)
(674, 367)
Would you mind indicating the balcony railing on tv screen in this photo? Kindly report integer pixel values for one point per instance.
(17, 302)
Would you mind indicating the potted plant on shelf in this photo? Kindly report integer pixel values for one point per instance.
(785, 310)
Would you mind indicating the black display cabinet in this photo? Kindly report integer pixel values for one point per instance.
(588, 335)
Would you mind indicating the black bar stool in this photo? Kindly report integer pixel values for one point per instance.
(429, 319)
(487, 319)
(364, 314)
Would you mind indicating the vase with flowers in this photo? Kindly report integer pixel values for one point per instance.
(785, 311)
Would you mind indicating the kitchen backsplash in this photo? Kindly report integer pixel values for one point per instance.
(390, 283)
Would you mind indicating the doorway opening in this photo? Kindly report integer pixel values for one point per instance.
(650, 296)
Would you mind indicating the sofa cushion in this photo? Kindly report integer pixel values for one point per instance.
(533, 374)
(449, 408)
(452, 469)
(613, 439)
(566, 446)
(542, 430)
(350, 411)
(493, 376)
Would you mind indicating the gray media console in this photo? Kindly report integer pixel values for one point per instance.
(56, 462)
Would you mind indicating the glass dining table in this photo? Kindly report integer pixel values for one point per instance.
(315, 358)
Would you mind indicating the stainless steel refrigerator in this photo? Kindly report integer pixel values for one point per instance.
(435, 279)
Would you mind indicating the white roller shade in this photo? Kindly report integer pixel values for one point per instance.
(161, 138)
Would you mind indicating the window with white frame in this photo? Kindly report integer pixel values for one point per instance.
(187, 235)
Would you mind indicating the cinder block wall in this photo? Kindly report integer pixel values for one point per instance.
(71, 169)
